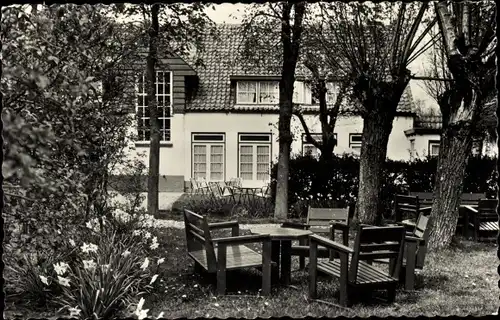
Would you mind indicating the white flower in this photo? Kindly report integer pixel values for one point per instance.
(72, 242)
(63, 281)
(141, 314)
(89, 247)
(74, 312)
(136, 232)
(160, 315)
(44, 280)
(89, 264)
(160, 261)
(153, 279)
(60, 268)
(126, 253)
(147, 235)
(216, 304)
(105, 267)
(154, 245)
(184, 296)
(145, 264)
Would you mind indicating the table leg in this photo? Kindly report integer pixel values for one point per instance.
(286, 261)
(275, 257)
(410, 266)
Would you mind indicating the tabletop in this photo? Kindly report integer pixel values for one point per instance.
(279, 233)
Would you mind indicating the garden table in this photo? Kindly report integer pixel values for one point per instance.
(246, 192)
(281, 245)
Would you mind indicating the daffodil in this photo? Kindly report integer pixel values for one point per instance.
(160, 261)
(126, 253)
(145, 264)
(147, 235)
(86, 248)
(74, 312)
(63, 281)
(153, 279)
(154, 246)
(136, 232)
(44, 280)
(160, 315)
(105, 267)
(139, 312)
(72, 242)
(60, 268)
(89, 264)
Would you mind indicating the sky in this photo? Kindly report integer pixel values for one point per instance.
(233, 13)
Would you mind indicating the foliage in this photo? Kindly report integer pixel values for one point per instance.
(206, 205)
(399, 177)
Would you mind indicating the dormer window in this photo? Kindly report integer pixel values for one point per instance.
(257, 92)
(332, 90)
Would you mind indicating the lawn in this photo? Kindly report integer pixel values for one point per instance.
(457, 281)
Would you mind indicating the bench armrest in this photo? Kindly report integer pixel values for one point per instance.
(222, 225)
(409, 238)
(426, 209)
(339, 225)
(243, 239)
(471, 209)
(330, 244)
(296, 225)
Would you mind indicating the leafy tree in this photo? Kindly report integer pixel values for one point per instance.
(371, 45)
(264, 19)
(467, 103)
(65, 124)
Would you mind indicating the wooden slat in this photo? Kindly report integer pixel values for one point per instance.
(488, 226)
(366, 247)
(367, 274)
(238, 256)
(315, 222)
(381, 234)
(378, 254)
(327, 213)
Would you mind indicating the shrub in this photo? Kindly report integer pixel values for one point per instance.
(316, 183)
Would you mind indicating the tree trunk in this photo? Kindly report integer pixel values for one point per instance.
(376, 130)
(154, 148)
(454, 152)
(285, 141)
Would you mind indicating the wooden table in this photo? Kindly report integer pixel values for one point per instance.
(245, 192)
(281, 239)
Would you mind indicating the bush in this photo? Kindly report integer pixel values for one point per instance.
(315, 183)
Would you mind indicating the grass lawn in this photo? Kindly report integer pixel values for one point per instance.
(458, 281)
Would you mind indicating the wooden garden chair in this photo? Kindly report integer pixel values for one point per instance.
(354, 273)
(221, 254)
(406, 210)
(414, 251)
(484, 219)
(324, 221)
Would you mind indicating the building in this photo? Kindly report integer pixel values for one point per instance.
(219, 120)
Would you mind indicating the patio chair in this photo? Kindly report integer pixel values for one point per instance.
(484, 219)
(217, 255)
(324, 221)
(199, 186)
(354, 273)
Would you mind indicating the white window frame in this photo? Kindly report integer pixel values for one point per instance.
(306, 145)
(257, 92)
(412, 149)
(254, 144)
(164, 138)
(201, 139)
(355, 145)
(431, 144)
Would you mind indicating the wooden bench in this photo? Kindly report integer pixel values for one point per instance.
(484, 219)
(324, 221)
(353, 272)
(231, 251)
(426, 200)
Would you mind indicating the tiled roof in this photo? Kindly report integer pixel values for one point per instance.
(221, 60)
(428, 122)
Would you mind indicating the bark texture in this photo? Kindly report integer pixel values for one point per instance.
(377, 127)
(154, 147)
(290, 38)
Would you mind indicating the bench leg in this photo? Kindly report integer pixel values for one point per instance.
(266, 268)
(391, 294)
(313, 272)
(221, 269)
(302, 259)
(286, 264)
(275, 257)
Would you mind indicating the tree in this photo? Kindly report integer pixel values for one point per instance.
(373, 45)
(63, 112)
(174, 28)
(467, 103)
(288, 18)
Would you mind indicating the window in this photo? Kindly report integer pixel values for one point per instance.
(208, 156)
(302, 93)
(355, 140)
(254, 156)
(433, 148)
(266, 91)
(308, 147)
(163, 91)
(331, 93)
(412, 149)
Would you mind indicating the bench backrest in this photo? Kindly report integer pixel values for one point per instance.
(421, 231)
(198, 237)
(406, 207)
(319, 218)
(378, 243)
(426, 198)
(215, 189)
(487, 210)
